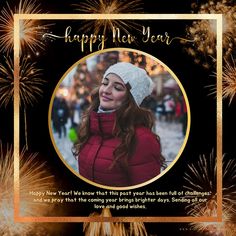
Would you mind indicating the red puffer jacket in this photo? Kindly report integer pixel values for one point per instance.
(96, 156)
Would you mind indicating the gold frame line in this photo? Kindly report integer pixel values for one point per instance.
(73, 219)
(118, 16)
(18, 17)
(219, 114)
(16, 116)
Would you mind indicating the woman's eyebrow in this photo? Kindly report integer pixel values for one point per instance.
(116, 82)
(120, 84)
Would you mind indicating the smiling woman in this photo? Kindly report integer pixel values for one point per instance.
(115, 130)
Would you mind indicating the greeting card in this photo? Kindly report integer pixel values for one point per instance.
(117, 118)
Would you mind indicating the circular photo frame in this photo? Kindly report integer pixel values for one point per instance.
(133, 148)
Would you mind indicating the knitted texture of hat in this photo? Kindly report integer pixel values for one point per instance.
(140, 83)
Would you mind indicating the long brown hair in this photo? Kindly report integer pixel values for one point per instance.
(128, 117)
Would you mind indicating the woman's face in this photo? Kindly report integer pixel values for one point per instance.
(112, 92)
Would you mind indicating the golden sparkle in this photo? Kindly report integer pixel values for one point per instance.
(137, 228)
(30, 82)
(229, 81)
(99, 228)
(201, 177)
(33, 177)
(31, 31)
(204, 32)
(109, 7)
(110, 228)
(30, 85)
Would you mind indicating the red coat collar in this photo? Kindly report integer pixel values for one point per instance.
(102, 123)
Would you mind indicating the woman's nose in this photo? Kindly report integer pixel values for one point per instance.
(107, 89)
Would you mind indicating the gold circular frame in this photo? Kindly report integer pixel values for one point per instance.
(180, 150)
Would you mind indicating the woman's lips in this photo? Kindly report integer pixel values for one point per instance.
(105, 98)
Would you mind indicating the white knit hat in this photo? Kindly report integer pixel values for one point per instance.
(140, 83)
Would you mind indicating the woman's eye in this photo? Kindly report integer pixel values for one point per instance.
(104, 83)
(118, 88)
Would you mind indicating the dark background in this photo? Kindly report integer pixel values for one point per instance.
(58, 57)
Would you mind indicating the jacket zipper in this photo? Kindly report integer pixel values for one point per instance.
(99, 124)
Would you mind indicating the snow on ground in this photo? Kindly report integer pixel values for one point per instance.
(171, 139)
(170, 134)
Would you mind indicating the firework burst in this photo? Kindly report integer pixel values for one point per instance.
(109, 7)
(209, 209)
(99, 228)
(33, 177)
(30, 82)
(31, 31)
(201, 177)
(137, 228)
(229, 81)
(110, 228)
(30, 85)
(204, 31)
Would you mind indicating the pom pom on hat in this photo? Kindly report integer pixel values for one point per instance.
(140, 83)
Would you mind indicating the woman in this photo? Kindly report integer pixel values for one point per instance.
(116, 146)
